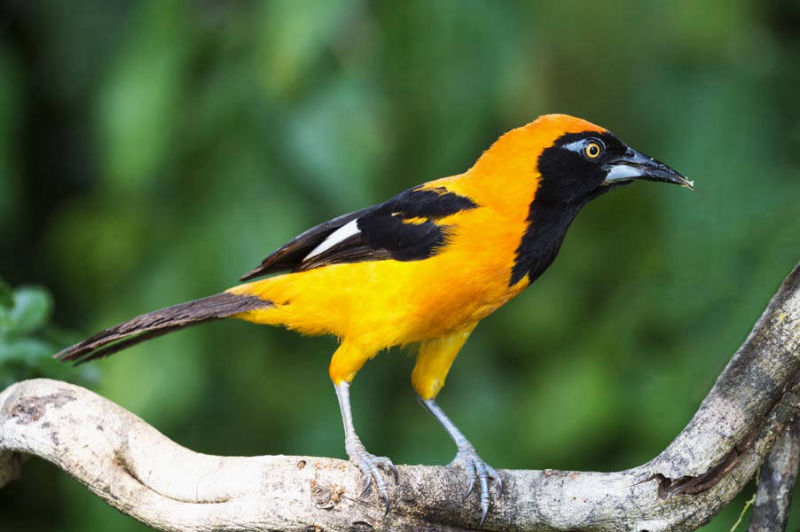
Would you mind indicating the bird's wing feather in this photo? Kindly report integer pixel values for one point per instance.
(403, 228)
(288, 256)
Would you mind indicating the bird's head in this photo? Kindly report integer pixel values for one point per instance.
(580, 161)
(575, 160)
(545, 171)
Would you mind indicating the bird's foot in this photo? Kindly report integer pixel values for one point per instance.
(370, 465)
(478, 470)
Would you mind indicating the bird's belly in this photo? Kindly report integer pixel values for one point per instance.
(383, 303)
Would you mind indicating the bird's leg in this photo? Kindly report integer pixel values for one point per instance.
(366, 462)
(467, 458)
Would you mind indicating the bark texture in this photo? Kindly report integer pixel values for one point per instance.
(776, 483)
(133, 467)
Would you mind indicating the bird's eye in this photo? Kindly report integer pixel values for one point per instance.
(593, 149)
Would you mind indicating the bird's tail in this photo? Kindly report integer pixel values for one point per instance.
(156, 323)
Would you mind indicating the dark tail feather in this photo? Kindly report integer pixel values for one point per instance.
(159, 322)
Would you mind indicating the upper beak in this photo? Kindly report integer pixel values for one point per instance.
(636, 165)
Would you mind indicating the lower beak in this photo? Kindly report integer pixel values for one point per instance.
(638, 166)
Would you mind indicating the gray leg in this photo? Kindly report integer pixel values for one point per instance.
(366, 462)
(467, 458)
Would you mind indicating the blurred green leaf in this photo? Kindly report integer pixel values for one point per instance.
(31, 310)
(28, 341)
(137, 109)
(27, 350)
(292, 39)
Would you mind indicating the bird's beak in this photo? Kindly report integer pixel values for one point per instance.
(636, 165)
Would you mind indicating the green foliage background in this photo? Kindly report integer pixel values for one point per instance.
(152, 151)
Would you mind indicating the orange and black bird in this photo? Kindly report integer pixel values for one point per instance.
(423, 267)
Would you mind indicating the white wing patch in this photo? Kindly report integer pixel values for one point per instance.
(344, 232)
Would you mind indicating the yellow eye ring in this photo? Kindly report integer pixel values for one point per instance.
(592, 150)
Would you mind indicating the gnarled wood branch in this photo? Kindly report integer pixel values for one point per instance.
(133, 467)
(776, 483)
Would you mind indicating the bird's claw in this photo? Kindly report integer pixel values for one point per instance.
(478, 471)
(370, 466)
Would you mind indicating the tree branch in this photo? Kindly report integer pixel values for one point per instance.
(136, 469)
(776, 483)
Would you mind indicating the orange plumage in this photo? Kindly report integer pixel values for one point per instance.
(378, 304)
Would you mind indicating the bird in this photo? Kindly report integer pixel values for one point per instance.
(422, 268)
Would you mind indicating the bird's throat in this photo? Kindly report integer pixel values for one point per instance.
(547, 225)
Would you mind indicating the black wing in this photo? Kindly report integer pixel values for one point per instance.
(402, 228)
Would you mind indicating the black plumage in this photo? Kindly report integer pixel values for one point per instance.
(402, 228)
